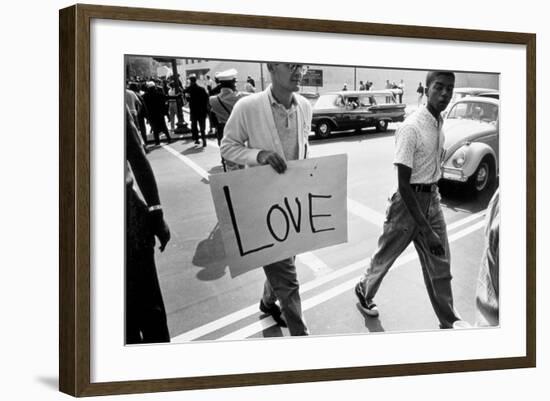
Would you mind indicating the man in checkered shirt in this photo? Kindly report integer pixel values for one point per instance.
(414, 213)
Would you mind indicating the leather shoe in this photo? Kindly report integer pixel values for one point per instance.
(274, 311)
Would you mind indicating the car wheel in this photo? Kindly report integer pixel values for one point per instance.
(482, 177)
(323, 129)
(381, 126)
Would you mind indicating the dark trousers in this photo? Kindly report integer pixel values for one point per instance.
(219, 136)
(219, 132)
(282, 284)
(201, 121)
(145, 313)
(158, 126)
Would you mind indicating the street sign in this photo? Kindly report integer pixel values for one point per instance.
(313, 78)
(265, 217)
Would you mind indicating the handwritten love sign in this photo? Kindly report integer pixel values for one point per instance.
(265, 216)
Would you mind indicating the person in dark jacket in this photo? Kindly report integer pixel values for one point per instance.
(155, 101)
(145, 312)
(198, 108)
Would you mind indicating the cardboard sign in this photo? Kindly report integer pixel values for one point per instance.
(266, 217)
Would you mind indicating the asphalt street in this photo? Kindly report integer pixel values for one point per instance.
(207, 300)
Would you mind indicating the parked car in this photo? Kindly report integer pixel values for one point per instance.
(459, 93)
(494, 94)
(311, 97)
(355, 110)
(471, 142)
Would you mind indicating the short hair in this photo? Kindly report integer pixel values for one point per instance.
(432, 75)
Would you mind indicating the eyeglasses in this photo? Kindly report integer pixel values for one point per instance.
(296, 67)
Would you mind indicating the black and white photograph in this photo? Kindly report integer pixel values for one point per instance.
(268, 199)
(259, 200)
(209, 200)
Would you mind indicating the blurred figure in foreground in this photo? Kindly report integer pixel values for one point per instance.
(145, 312)
(487, 301)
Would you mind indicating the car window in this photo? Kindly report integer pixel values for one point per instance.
(459, 110)
(489, 113)
(474, 111)
(352, 103)
(329, 101)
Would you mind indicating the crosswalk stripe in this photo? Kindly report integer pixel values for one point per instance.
(256, 327)
(365, 212)
(313, 262)
(356, 266)
(466, 220)
(187, 161)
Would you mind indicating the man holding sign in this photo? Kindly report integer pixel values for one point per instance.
(272, 127)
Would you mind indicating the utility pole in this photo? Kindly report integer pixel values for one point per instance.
(181, 127)
(262, 75)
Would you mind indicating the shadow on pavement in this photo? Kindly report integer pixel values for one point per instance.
(193, 150)
(210, 255)
(373, 324)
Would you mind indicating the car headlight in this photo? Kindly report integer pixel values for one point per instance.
(459, 158)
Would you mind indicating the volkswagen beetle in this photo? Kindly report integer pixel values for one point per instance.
(471, 142)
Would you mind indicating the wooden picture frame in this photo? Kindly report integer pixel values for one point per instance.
(75, 199)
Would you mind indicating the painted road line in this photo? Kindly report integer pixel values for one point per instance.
(305, 288)
(253, 309)
(466, 220)
(467, 230)
(252, 329)
(376, 218)
(187, 161)
(366, 213)
(217, 324)
(313, 262)
(338, 290)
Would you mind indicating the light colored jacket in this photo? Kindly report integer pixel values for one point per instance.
(251, 128)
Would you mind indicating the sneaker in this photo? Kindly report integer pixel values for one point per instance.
(461, 324)
(369, 308)
(274, 311)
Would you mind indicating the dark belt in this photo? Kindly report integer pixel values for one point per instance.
(424, 187)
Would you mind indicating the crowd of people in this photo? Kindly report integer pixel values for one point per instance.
(398, 89)
(155, 103)
(271, 127)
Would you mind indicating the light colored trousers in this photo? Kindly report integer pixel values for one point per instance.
(398, 232)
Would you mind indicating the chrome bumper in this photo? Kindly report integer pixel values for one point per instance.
(454, 174)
